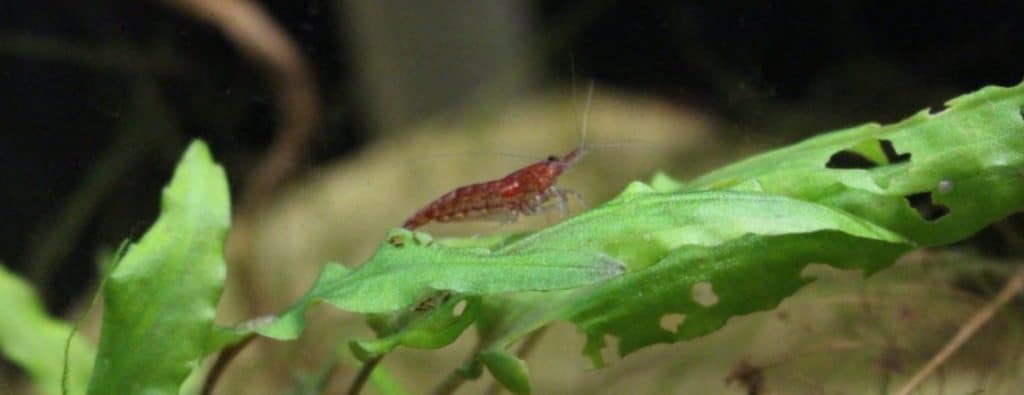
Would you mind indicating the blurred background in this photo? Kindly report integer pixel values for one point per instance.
(336, 120)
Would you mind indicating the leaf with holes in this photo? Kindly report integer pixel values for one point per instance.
(35, 341)
(160, 300)
(739, 251)
(934, 178)
(699, 257)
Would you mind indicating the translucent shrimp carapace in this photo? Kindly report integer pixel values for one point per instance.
(525, 191)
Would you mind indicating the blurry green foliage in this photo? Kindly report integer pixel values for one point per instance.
(34, 341)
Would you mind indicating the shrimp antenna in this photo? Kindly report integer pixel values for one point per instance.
(586, 114)
(533, 158)
(586, 107)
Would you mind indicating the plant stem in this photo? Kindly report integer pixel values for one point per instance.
(223, 360)
(364, 375)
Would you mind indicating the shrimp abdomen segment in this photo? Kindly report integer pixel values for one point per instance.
(469, 202)
(524, 191)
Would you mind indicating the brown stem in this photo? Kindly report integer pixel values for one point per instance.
(225, 357)
(364, 375)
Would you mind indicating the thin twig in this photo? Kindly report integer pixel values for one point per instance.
(969, 328)
(225, 357)
(364, 375)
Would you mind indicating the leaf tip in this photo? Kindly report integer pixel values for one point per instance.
(198, 149)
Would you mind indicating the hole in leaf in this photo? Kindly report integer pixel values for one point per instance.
(671, 322)
(847, 159)
(850, 159)
(922, 202)
(704, 295)
(610, 352)
(459, 308)
(891, 154)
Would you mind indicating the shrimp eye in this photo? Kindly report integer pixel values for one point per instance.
(552, 158)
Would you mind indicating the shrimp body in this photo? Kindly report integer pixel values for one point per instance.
(524, 191)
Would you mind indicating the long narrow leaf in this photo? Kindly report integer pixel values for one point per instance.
(410, 266)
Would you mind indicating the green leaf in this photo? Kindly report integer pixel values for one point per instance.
(410, 266)
(968, 158)
(159, 302)
(736, 240)
(749, 247)
(749, 274)
(642, 226)
(34, 341)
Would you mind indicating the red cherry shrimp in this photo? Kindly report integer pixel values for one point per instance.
(526, 191)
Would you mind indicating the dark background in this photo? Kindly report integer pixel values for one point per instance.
(67, 71)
